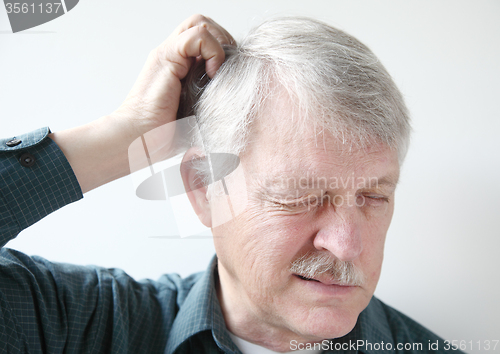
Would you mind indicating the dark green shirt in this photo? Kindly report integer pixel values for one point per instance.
(50, 307)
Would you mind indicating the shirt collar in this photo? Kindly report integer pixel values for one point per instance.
(375, 328)
(200, 311)
(372, 329)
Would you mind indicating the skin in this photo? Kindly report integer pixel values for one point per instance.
(262, 301)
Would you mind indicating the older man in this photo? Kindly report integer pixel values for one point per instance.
(320, 130)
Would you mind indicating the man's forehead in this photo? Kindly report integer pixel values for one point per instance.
(285, 142)
(319, 152)
(281, 124)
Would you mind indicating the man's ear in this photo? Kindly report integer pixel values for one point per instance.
(195, 188)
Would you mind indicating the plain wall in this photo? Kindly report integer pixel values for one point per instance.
(441, 261)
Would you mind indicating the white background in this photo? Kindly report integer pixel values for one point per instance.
(442, 252)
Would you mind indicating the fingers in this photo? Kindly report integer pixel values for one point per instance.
(214, 28)
(198, 41)
(198, 36)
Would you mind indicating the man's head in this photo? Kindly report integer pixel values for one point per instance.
(321, 131)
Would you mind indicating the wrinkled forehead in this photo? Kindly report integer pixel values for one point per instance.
(285, 139)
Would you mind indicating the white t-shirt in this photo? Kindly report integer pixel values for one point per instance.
(250, 348)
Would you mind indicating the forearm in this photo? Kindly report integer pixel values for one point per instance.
(97, 152)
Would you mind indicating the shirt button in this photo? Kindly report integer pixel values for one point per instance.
(13, 142)
(27, 160)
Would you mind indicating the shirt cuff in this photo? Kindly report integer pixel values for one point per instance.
(35, 180)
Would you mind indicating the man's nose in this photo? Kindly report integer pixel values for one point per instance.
(340, 232)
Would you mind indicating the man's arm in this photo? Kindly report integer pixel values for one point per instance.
(98, 152)
(49, 307)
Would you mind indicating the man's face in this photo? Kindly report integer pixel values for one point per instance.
(307, 194)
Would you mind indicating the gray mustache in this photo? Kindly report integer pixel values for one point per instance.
(311, 265)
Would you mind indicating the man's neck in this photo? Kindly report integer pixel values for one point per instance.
(247, 324)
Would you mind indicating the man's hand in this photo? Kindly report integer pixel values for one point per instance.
(97, 151)
(154, 99)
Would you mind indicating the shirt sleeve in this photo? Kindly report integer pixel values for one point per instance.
(50, 307)
(35, 180)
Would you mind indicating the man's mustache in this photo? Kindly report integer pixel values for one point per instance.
(315, 264)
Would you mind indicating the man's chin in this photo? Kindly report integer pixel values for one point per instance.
(331, 327)
(324, 323)
(315, 320)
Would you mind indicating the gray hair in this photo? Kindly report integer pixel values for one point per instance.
(336, 81)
